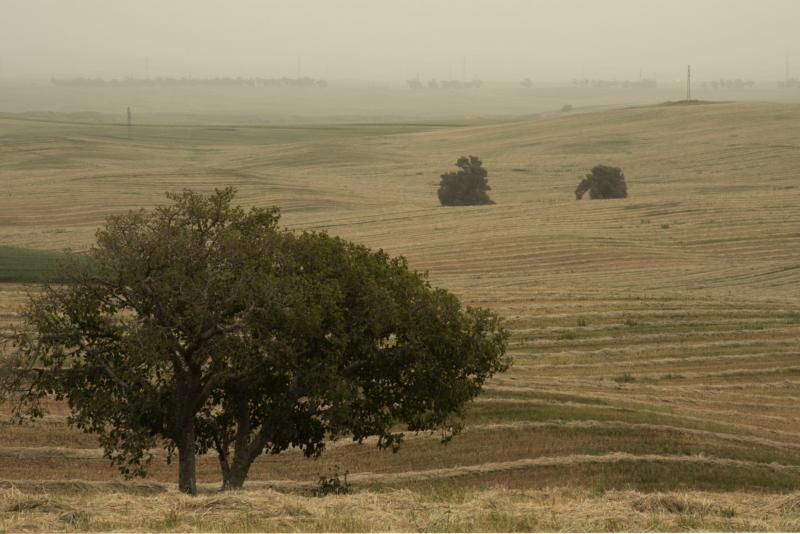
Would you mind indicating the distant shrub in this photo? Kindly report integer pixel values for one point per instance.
(566, 108)
(467, 186)
(333, 484)
(624, 378)
(581, 322)
(603, 182)
(672, 376)
(665, 226)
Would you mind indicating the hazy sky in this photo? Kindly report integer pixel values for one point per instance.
(546, 40)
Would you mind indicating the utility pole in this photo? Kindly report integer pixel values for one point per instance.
(129, 122)
(689, 83)
(786, 75)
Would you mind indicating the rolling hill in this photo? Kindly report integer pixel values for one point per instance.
(656, 339)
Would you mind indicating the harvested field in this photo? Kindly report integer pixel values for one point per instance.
(656, 339)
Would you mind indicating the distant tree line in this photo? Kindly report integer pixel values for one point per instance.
(444, 84)
(190, 81)
(646, 83)
(724, 83)
(791, 83)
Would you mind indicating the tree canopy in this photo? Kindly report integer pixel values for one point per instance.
(205, 327)
(603, 182)
(467, 186)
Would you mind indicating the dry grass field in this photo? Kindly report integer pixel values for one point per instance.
(656, 339)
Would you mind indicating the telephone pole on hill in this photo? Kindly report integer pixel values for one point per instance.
(689, 83)
(786, 74)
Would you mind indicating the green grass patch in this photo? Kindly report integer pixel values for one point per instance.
(493, 412)
(22, 265)
(638, 475)
(541, 396)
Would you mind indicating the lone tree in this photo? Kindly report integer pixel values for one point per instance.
(603, 182)
(205, 327)
(467, 186)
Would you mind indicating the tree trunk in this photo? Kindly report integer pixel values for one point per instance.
(187, 473)
(245, 451)
(243, 457)
(235, 477)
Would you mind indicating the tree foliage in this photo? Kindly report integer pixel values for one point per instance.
(205, 327)
(603, 182)
(467, 186)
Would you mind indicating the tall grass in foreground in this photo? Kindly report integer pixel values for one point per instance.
(457, 510)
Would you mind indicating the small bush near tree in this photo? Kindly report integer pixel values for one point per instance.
(333, 484)
(467, 186)
(603, 182)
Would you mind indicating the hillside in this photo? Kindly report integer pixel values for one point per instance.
(656, 338)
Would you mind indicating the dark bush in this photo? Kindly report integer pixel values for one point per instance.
(467, 186)
(333, 484)
(603, 182)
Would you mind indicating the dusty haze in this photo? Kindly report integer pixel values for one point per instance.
(548, 40)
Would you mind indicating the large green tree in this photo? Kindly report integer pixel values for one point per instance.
(204, 327)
